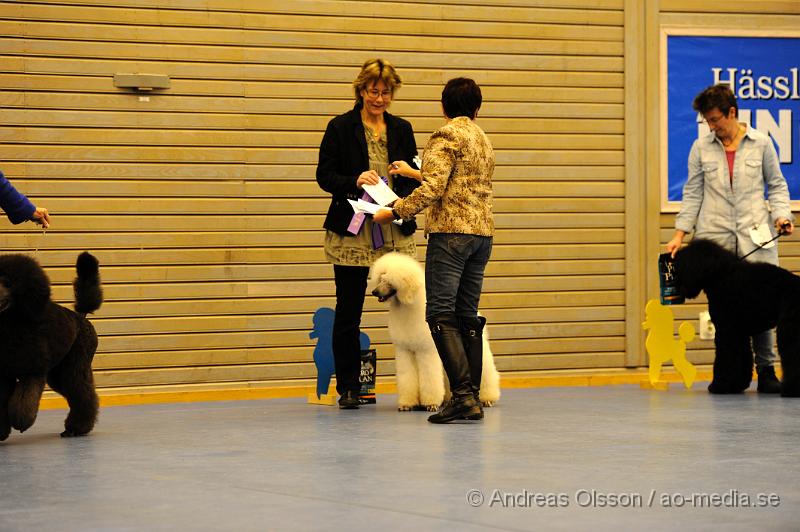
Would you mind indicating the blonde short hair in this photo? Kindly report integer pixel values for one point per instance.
(375, 70)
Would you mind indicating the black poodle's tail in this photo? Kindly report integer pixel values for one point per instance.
(88, 292)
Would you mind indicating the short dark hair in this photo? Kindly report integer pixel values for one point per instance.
(718, 96)
(461, 97)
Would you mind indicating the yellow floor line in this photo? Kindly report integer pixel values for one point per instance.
(110, 397)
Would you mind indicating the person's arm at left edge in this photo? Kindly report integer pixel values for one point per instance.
(404, 169)
(777, 191)
(408, 151)
(18, 207)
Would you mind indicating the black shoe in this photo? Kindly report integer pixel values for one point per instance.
(454, 411)
(767, 381)
(460, 406)
(473, 415)
(349, 400)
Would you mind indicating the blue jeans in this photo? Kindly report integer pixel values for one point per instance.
(454, 266)
(763, 346)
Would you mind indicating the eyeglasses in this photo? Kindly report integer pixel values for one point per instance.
(374, 93)
(712, 120)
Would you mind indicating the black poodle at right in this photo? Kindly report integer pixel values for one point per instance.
(41, 341)
(744, 298)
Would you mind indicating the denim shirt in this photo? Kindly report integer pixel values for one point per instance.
(725, 213)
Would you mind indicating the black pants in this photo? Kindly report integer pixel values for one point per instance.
(351, 285)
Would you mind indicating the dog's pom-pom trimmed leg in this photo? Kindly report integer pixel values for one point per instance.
(7, 386)
(23, 405)
(71, 434)
(789, 348)
(81, 397)
(724, 387)
(790, 387)
(81, 418)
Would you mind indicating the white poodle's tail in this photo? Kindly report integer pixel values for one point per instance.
(490, 378)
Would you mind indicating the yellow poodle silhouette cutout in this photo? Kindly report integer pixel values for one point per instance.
(662, 346)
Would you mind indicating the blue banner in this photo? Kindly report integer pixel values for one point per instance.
(763, 72)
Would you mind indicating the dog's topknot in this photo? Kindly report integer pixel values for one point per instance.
(26, 285)
(700, 265)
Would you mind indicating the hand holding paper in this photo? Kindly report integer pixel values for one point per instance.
(381, 193)
(364, 206)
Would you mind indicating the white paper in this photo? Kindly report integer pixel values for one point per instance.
(364, 206)
(368, 207)
(381, 193)
(761, 234)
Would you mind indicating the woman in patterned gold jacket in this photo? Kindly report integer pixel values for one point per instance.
(456, 174)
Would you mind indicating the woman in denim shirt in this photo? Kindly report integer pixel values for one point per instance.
(723, 199)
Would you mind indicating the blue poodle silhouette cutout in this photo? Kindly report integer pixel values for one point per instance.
(323, 351)
(364, 340)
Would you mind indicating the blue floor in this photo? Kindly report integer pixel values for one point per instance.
(285, 465)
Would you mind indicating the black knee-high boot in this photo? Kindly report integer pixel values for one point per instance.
(447, 337)
(472, 336)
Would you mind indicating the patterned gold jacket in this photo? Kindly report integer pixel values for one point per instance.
(457, 168)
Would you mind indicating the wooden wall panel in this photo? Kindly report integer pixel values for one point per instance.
(200, 200)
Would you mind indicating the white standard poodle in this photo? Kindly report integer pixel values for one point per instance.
(400, 280)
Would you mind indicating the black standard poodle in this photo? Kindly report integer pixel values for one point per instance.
(41, 341)
(744, 298)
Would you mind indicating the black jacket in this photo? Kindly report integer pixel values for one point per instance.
(343, 156)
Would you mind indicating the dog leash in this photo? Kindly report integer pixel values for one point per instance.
(773, 239)
(36, 251)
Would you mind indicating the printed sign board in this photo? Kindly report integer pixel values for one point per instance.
(764, 72)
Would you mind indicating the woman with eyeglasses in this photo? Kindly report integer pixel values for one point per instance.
(730, 169)
(359, 148)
